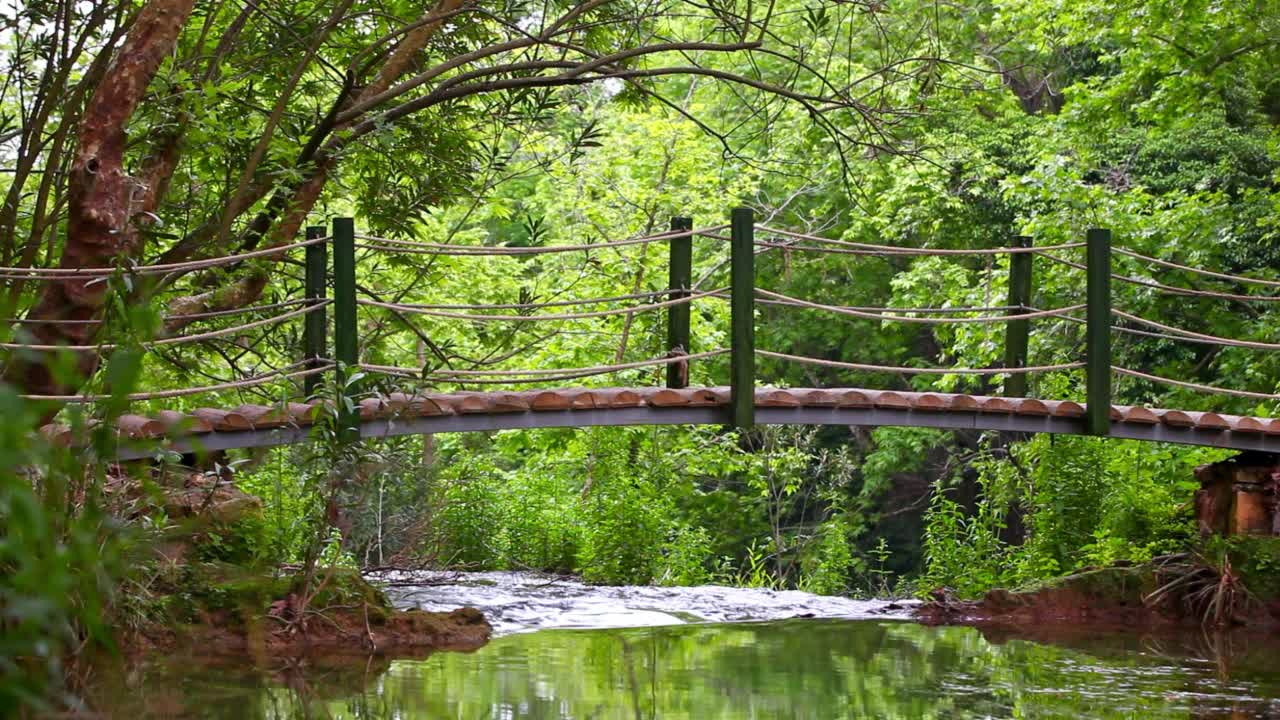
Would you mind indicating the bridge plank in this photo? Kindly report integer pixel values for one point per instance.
(1137, 414)
(852, 399)
(540, 400)
(705, 397)
(994, 405)
(429, 405)
(223, 419)
(618, 398)
(177, 423)
(1271, 426)
(965, 403)
(888, 399)
(57, 433)
(1209, 421)
(303, 414)
(816, 397)
(472, 403)
(263, 416)
(664, 397)
(929, 401)
(1064, 408)
(139, 426)
(1175, 418)
(509, 402)
(1245, 424)
(1030, 406)
(773, 397)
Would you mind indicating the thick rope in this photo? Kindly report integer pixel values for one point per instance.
(920, 371)
(281, 374)
(181, 339)
(851, 312)
(1193, 386)
(892, 250)
(913, 310)
(1198, 271)
(1214, 339)
(417, 310)
(11, 273)
(1170, 288)
(532, 376)
(1158, 336)
(168, 318)
(534, 306)
(424, 248)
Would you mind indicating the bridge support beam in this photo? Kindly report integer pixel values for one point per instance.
(680, 279)
(315, 330)
(742, 280)
(1098, 332)
(1018, 332)
(346, 348)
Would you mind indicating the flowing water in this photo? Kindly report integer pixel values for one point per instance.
(565, 650)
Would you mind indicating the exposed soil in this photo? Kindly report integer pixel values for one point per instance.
(1117, 598)
(344, 631)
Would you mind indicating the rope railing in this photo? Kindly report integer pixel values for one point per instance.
(183, 317)
(778, 298)
(420, 310)
(15, 273)
(896, 250)
(517, 377)
(1193, 386)
(743, 247)
(1191, 335)
(1198, 271)
(535, 306)
(889, 310)
(1172, 289)
(1196, 338)
(285, 373)
(905, 370)
(372, 242)
(177, 340)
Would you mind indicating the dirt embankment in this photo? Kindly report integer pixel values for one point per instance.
(1183, 592)
(228, 612)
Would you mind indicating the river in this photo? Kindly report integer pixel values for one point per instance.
(567, 650)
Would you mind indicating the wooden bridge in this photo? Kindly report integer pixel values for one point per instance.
(423, 408)
(250, 426)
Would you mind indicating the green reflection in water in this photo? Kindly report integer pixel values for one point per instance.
(794, 669)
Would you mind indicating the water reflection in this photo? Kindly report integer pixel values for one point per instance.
(792, 669)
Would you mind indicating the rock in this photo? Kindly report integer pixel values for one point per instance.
(1239, 496)
(210, 496)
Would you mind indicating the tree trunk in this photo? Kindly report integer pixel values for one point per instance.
(103, 200)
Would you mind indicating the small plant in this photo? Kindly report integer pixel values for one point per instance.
(1206, 586)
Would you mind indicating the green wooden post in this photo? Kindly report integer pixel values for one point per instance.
(1098, 333)
(680, 280)
(317, 275)
(742, 363)
(1017, 333)
(346, 349)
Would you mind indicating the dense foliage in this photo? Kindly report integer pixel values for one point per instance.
(987, 121)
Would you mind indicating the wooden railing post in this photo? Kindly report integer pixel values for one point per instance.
(314, 331)
(680, 278)
(742, 362)
(1098, 332)
(1017, 334)
(346, 348)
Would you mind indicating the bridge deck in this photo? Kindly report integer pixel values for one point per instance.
(210, 429)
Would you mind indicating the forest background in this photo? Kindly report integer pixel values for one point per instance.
(919, 124)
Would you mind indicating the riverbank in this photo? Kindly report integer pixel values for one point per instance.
(223, 610)
(1239, 588)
